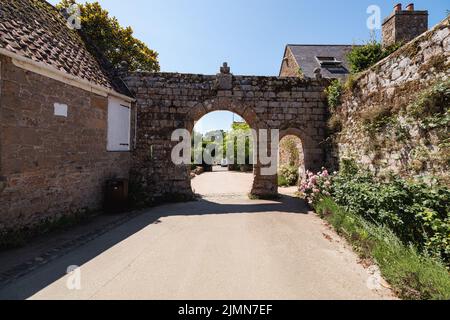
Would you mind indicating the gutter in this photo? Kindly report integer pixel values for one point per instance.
(62, 76)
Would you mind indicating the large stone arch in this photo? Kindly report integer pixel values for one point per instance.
(169, 101)
(244, 110)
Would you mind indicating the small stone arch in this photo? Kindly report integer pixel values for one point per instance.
(312, 152)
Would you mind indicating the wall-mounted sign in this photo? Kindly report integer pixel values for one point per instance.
(60, 110)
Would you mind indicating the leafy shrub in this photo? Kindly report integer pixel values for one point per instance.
(288, 176)
(350, 83)
(432, 101)
(348, 167)
(282, 182)
(411, 274)
(335, 123)
(376, 118)
(363, 57)
(432, 107)
(334, 94)
(415, 212)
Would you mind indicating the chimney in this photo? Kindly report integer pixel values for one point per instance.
(403, 26)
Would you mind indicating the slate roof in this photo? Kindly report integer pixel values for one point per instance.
(305, 55)
(36, 30)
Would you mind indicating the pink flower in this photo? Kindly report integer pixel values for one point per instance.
(316, 190)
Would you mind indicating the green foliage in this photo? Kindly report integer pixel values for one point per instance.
(350, 83)
(411, 274)
(348, 167)
(236, 126)
(104, 33)
(288, 176)
(402, 133)
(199, 144)
(290, 144)
(363, 57)
(376, 118)
(415, 212)
(334, 94)
(432, 107)
(239, 131)
(335, 124)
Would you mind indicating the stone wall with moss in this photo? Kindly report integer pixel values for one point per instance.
(394, 117)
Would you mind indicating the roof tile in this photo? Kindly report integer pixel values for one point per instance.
(36, 30)
(305, 55)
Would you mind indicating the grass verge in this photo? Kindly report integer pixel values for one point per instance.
(412, 275)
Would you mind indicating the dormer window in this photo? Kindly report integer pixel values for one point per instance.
(328, 62)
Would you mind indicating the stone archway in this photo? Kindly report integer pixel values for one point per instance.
(312, 152)
(170, 101)
(246, 112)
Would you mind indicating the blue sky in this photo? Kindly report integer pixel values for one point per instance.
(196, 36)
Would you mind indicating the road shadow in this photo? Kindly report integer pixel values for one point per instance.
(78, 252)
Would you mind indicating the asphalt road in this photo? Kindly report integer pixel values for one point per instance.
(223, 246)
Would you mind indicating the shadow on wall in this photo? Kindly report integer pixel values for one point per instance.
(79, 255)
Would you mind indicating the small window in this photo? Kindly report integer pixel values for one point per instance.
(327, 61)
(119, 125)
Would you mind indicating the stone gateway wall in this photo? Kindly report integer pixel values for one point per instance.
(168, 101)
(51, 166)
(395, 116)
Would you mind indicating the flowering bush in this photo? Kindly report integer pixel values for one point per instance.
(288, 176)
(416, 213)
(314, 186)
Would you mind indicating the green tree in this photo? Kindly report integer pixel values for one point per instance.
(240, 126)
(104, 33)
(240, 131)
